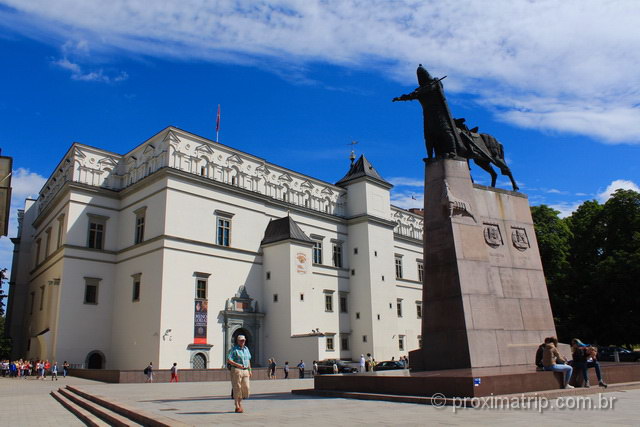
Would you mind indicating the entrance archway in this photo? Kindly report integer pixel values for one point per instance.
(95, 360)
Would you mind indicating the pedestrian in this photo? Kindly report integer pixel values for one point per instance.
(286, 370)
(148, 371)
(301, 369)
(54, 371)
(47, 368)
(335, 367)
(272, 368)
(314, 369)
(239, 359)
(65, 369)
(362, 363)
(174, 373)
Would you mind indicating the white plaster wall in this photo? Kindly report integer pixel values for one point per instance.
(136, 333)
(83, 327)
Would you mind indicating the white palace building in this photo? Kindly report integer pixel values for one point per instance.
(168, 252)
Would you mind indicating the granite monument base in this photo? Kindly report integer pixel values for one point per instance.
(472, 382)
(485, 300)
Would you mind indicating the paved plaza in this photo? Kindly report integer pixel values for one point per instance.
(27, 403)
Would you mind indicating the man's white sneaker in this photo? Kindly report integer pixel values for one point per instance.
(568, 386)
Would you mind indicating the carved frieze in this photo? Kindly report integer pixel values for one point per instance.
(492, 235)
(519, 238)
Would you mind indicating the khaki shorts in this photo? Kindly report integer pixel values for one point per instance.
(240, 382)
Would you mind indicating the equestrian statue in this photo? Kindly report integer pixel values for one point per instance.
(447, 137)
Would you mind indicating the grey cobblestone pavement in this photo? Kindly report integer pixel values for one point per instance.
(27, 403)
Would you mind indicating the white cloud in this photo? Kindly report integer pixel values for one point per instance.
(566, 208)
(25, 184)
(561, 66)
(615, 185)
(401, 181)
(91, 76)
(407, 200)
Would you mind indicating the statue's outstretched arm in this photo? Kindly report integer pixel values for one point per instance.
(408, 97)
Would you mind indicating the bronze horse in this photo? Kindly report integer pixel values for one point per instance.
(484, 150)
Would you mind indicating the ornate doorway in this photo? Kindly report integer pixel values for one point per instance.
(241, 317)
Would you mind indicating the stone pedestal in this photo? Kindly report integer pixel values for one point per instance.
(484, 295)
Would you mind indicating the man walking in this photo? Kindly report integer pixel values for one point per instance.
(362, 363)
(239, 358)
(301, 369)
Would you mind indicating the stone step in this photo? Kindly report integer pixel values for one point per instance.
(85, 416)
(112, 418)
(130, 412)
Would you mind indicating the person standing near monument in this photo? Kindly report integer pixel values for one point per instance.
(362, 363)
(286, 370)
(239, 359)
(301, 369)
(148, 371)
(174, 373)
(552, 360)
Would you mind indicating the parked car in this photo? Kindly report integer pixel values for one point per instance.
(606, 354)
(388, 365)
(326, 367)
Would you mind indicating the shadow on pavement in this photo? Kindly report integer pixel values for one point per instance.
(261, 396)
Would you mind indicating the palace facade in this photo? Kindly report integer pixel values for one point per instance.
(166, 253)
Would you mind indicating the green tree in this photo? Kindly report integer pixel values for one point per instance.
(554, 236)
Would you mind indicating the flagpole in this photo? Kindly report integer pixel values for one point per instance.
(218, 124)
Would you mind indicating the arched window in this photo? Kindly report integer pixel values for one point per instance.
(199, 361)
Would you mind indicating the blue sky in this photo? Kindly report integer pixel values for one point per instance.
(556, 82)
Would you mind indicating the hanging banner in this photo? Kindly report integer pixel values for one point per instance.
(200, 322)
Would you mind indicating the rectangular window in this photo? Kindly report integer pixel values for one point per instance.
(139, 238)
(60, 230)
(343, 304)
(91, 290)
(419, 309)
(420, 271)
(364, 338)
(135, 294)
(399, 307)
(97, 227)
(224, 232)
(328, 302)
(398, 267)
(337, 254)
(329, 343)
(419, 341)
(275, 297)
(41, 297)
(201, 289)
(33, 300)
(317, 252)
(401, 342)
(96, 235)
(47, 245)
(38, 244)
(344, 343)
(301, 297)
